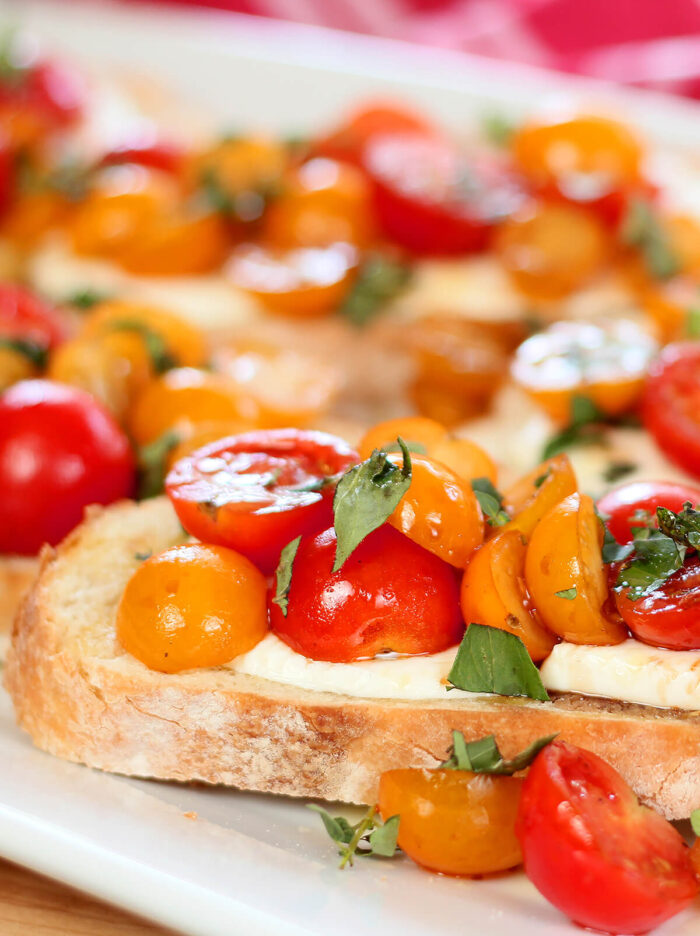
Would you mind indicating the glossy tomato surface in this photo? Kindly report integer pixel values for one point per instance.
(60, 450)
(669, 616)
(429, 199)
(671, 404)
(167, 157)
(257, 491)
(24, 316)
(593, 851)
(380, 118)
(621, 504)
(390, 595)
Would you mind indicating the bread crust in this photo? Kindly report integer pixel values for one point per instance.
(85, 700)
(16, 575)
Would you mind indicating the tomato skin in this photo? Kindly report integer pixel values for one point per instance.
(24, 315)
(390, 594)
(60, 450)
(621, 503)
(258, 518)
(670, 410)
(167, 157)
(669, 616)
(377, 118)
(594, 851)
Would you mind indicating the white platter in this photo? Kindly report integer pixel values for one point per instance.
(251, 865)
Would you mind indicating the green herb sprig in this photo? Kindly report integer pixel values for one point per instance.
(366, 838)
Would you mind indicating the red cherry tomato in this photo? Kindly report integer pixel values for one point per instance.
(53, 91)
(348, 141)
(669, 616)
(623, 502)
(60, 450)
(594, 851)
(24, 316)
(671, 404)
(433, 201)
(257, 491)
(7, 175)
(167, 157)
(391, 594)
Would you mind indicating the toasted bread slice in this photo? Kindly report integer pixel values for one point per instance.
(16, 575)
(82, 697)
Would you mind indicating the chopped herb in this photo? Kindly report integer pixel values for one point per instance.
(568, 594)
(695, 821)
(612, 550)
(538, 482)
(37, 354)
(692, 322)
(152, 464)
(490, 501)
(365, 497)
(656, 557)
(497, 128)
(484, 756)
(618, 469)
(247, 205)
(85, 299)
(583, 428)
(161, 357)
(641, 228)
(493, 660)
(380, 279)
(368, 837)
(683, 527)
(283, 575)
(142, 556)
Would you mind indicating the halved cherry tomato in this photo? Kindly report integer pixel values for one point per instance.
(432, 200)
(668, 303)
(671, 404)
(257, 491)
(323, 202)
(606, 362)
(23, 315)
(185, 396)
(535, 494)
(38, 99)
(494, 593)
(161, 155)
(176, 243)
(669, 616)
(301, 283)
(187, 438)
(594, 851)
(565, 575)
(439, 511)
(549, 249)
(389, 595)
(59, 451)
(192, 606)
(380, 118)
(619, 505)
(32, 214)
(454, 821)
(241, 171)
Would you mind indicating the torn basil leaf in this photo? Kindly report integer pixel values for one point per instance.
(368, 837)
(365, 498)
(161, 357)
(484, 756)
(613, 551)
(683, 527)
(490, 501)
(656, 557)
(584, 428)
(695, 821)
(283, 576)
(152, 462)
(568, 594)
(85, 299)
(35, 353)
(380, 278)
(493, 660)
(642, 229)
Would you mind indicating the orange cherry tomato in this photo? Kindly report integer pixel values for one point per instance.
(15, 366)
(191, 437)
(182, 344)
(348, 141)
(465, 458)
(454, 821)
(192, 606)
(565, 575)
(439, 511)
(535, 494)
(301, 283)
(549, 249)
(669, 306)
(606, 362)
(184, 396)
(177, 244)
(683, 232)
(286, 388)
(32, 214)
(494, 593)
(243, 170)
(323, 202)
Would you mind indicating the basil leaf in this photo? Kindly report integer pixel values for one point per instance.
(613, 551)
(366, 838)
(337, 827)
(568, 594)
(497, 128)
(35, 353)
(142, 556)
(695, 821)
(618, 469)
(583, 428)
(85, 299)
(683, 527)
(484, 756)
(657, 557)
(493, 660)
(283, 575)
(379, 279)
(365, 497)
(382, 839)
(692, 322)
(490, 501)
(641, 228)
(161, 357)
(152, 464)
(539, 481)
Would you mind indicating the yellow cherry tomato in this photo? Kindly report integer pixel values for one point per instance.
(32, 214)
(176, 243)
(15, 366)
(566, 577)
(535, 494)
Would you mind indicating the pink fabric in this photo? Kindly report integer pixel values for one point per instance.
(655, 43)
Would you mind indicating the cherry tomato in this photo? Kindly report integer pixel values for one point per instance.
(535, 494)
(176, 243)
(389, 595)
(380, 118)
(161, 155)
(620, 504)
(454, 821)
(300, 283)
(241, 171)
(594, 851)
(257, 491)
(439, 511)
(24, 316)
(565, 575)
(671, 404)
(59, 451)
(432, 200)
(31, 214)
(38, 99)
(669, 616)
(606, 362)
(494, 593)
(192, 606)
